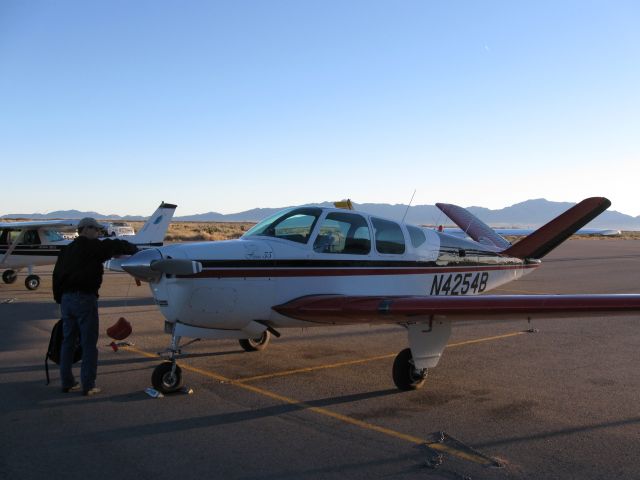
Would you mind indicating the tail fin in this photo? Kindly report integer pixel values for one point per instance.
(155, 228)
(549, 236)
(473, 226)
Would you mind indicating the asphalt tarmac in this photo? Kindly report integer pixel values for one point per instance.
(320, 403)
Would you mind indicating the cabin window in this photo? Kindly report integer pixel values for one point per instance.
(389, 237)
(30, 237)
(344, 233)
(295, 225)
(52, 236)
(4, 237)
(416, 235)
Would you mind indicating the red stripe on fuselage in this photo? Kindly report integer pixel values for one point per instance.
(345, 272)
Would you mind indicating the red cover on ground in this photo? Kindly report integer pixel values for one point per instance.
(120, 330)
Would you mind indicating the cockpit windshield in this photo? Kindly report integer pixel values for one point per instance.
(295, 224)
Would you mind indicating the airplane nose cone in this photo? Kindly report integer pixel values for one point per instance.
(139, 265)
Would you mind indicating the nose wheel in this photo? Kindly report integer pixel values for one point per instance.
(167, 377)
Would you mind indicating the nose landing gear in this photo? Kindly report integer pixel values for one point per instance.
(167, 377)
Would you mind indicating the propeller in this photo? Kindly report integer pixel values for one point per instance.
(148, 265)
(173, 266)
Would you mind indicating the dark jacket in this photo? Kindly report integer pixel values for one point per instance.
(79, 265)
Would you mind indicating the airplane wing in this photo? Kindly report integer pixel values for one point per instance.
(342, 309)
(61, 224)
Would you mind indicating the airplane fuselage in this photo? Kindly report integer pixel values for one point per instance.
(241, 280)
(32, 255)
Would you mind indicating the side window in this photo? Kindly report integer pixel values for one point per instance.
(389, 237)
(345, 233)
(12, 236)
(30, 237)
(52, 236)
(417, 236)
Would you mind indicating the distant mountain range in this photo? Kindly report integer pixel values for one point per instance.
(528, 214)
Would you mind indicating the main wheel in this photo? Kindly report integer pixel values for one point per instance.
(405, 374)
(9, 276)
(258, 343)
(164, 380)
(32, 282)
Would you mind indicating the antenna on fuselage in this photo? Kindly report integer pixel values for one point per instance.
(407, 210)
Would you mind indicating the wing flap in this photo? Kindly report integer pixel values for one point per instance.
(342, 309)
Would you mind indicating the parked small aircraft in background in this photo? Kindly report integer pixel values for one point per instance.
(316, 266)
(523, 232)
(31, 243)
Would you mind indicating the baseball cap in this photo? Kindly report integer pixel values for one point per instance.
(88, 222)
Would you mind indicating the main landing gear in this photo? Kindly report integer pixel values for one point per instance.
(426, 341)
(255, 344)
(32, 282)
(405, 374)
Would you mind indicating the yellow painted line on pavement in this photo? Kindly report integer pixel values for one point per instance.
(362, 360)
(465, 455)
(311, 369)
(469, 456)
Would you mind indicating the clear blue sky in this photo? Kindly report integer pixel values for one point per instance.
(113, 106)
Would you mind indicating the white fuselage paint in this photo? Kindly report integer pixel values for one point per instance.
(243, 279)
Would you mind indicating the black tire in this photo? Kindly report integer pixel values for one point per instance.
(405, 375)
(163, 380)
(255, 344)
(9, 276)
(32, 282)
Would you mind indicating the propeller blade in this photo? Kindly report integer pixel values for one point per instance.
(174, 266)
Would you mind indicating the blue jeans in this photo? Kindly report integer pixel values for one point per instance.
(79, 317)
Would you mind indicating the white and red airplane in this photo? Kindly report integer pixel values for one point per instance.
(33, 243)
(316, 266)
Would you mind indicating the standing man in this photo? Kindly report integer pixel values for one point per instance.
(77, 277)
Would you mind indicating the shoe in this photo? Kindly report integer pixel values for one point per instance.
(91, 391)
(73, 388)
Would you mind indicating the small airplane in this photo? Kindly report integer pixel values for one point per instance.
(31, 243)
(523, 232)
(311, 266)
